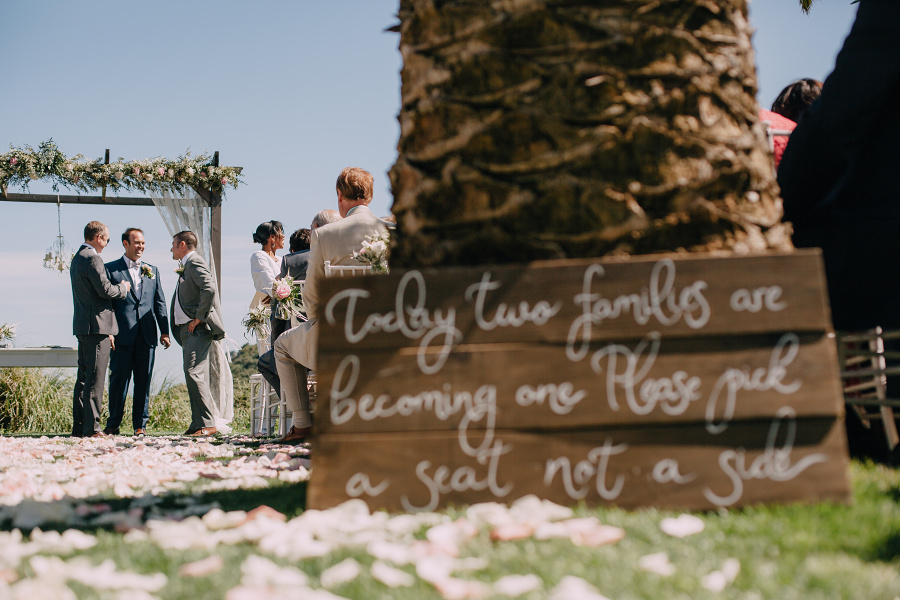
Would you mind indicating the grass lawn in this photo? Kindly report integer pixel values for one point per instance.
(798, 552)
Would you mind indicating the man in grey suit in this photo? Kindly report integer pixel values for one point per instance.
(137, 314)
(196, 321)
(295, 350)
(94, 324)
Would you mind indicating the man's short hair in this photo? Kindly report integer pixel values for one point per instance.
(355, 184)
(187, 237)
(93, 229)
(300, 240)
(128, 233)
(324, 217)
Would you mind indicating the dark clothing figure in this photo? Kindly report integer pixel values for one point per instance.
(838, 173)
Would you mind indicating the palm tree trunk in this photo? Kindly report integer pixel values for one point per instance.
(535, 129)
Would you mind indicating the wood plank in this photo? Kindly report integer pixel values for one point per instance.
(535, 386)
(667, 467)
(69, 199)
(578, 301)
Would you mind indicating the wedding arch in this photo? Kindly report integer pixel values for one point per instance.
(187, 192)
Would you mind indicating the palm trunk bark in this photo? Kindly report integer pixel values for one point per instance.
(535, 129)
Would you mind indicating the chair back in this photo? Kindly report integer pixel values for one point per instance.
(346, 270)
(864, 371)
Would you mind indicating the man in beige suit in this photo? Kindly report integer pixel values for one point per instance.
(295, 349)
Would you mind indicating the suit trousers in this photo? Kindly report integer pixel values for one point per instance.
(293, 377)
(267, 368)
(136, 359)
(195, 351)
(87, 400)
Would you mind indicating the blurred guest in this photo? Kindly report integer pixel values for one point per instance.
(838, 176)
(793, 100)
(324, 217)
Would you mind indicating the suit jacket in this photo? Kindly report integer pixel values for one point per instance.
(197, 294)
(138, 316)
(294, 264)
(92, 295)
(838, 173)
(334, 242)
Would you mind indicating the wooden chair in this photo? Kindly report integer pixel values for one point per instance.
(864, 371)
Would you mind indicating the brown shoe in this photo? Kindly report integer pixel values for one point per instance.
(203, 431)
(139, 432)
(97, 434)
(296, 435)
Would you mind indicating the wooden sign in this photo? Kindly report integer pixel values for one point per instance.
(678, 382)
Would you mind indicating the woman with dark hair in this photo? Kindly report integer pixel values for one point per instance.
(264, 264)
(793, 100)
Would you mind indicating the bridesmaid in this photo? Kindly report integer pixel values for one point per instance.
(264, 264)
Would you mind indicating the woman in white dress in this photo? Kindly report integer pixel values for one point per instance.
(264, 264)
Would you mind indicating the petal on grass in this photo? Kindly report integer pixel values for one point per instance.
(391, 576)
(682, 526)
(516, 585)
(575, 588)
(257, 572)
(203, 567)
(346, 570)
(656, 563)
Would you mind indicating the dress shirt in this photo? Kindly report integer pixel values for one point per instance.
(134, 269)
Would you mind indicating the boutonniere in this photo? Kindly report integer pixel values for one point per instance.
(147, 272)
(180, 269)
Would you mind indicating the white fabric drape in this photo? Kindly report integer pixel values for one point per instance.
(183, 212)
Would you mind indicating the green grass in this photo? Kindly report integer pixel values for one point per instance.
(796, 552)
(36, 400)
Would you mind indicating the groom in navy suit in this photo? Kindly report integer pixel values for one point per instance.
(138, 315)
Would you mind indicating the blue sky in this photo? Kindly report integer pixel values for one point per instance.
(291, 90)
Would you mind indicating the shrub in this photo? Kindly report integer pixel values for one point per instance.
(40, 401)
(35, 400)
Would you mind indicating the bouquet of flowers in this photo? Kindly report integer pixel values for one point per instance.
(287, 294)
(257, 321)
(7, 332)
(374, 252)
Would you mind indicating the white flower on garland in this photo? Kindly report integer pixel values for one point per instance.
(374, 252)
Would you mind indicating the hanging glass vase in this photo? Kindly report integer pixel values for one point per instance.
(59, 255)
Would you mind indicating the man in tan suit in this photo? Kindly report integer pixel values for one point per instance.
(295, 349)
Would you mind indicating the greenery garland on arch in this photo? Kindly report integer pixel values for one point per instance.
(20, 166)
